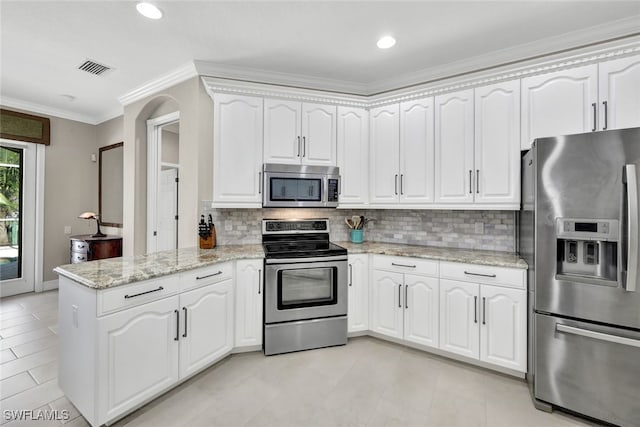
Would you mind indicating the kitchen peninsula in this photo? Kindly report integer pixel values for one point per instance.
(132, 328)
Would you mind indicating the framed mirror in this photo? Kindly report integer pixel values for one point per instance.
(110, 183)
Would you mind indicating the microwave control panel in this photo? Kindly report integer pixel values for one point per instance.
(332, 190)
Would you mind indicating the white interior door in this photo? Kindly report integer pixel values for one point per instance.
(17, 217)
(167, 229)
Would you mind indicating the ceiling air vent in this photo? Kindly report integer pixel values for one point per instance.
(93, 67)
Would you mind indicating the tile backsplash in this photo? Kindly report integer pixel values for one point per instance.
(490, 230)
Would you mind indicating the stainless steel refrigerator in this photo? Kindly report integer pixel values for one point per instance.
(578, 230)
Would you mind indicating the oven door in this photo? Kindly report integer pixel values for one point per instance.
(305, 289)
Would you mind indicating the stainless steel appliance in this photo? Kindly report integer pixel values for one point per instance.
(305, 293)
(579, 234)
(300, 186)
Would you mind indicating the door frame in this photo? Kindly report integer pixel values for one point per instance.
(33, 214)
(154, 161)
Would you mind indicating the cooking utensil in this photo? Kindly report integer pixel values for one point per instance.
(355, 220)
(348, 222)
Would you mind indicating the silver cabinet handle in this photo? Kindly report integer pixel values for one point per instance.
(475, 309)
(477, 180)
(470, 183)
(604, 104)
(185, 322)
(298, 146)
(209, 275)
(484, 311)
(259, 182)
(400, 295)
(403, 265)
(143, 293)
(401, 184)
(177, 325)
(259, 281)
(479, 274)
(595, 116)
(304, 146)
(406, 299)
(597, 335)
(395, 184)
(350, 275)
(632, 227)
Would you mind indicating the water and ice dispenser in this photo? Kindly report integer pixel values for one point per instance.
(587, 250)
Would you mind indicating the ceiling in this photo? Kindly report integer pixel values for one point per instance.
(43, 43)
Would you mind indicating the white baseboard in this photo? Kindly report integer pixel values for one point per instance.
(49, 285)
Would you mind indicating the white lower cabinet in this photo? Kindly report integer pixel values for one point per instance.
(137, 355)
(358, 297)
(249, 303)
(206, 332)
(404, 305)
(484, 322)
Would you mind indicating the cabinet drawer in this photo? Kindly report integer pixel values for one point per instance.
(401, 264)
(206, 276)
(126, 296)
(79, 246)
(77, 257)
(511, 277)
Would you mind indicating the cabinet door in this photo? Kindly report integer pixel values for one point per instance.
(454, 147)
(358, 293)
(282, 133)
(503, 334)
(319, 134)
(237, 150)
(353, 154)
(249, 288)
(138, 355)
(619, 90)
(497, 144)
(421, 314)
(459, 327)
(386, 303)
(416, 151)
(384, 140)
(559, 103)
(206, 332)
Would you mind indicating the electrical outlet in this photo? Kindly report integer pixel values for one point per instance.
(67, 229)
(479, 228)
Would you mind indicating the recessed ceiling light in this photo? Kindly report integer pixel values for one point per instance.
(149, 10)
(386, 42)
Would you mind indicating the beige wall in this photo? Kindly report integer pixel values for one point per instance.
(170, 153)
(196, 141)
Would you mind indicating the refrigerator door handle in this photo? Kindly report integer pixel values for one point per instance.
(597, 335)
(632, 228)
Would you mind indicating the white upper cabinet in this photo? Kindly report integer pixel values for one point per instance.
(282, 131)
(497, 144)
(454, 147)
(296, 133)
(385, 154)
(237, 151)
(416, 151)
(559, 103)
(353, 155)
(619, 89)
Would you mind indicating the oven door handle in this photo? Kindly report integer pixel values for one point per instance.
(305, 260)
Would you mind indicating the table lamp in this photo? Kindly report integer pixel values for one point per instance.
(92, 215)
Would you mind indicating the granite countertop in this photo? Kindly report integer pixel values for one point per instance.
(468, 256)
(111, 272)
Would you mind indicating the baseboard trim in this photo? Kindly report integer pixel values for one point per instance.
(49, 285)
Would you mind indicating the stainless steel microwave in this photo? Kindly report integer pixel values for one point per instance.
(300, 186)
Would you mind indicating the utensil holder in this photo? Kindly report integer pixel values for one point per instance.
(357, 236)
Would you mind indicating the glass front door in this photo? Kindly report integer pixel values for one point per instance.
(307, 287)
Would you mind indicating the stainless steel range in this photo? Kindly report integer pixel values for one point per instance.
(305, 286)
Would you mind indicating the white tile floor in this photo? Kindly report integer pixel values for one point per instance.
(368, 382)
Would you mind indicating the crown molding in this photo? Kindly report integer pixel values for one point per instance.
(33, 107)
(561, 44)
(220, 85)
(210, 69)
(154, 86)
